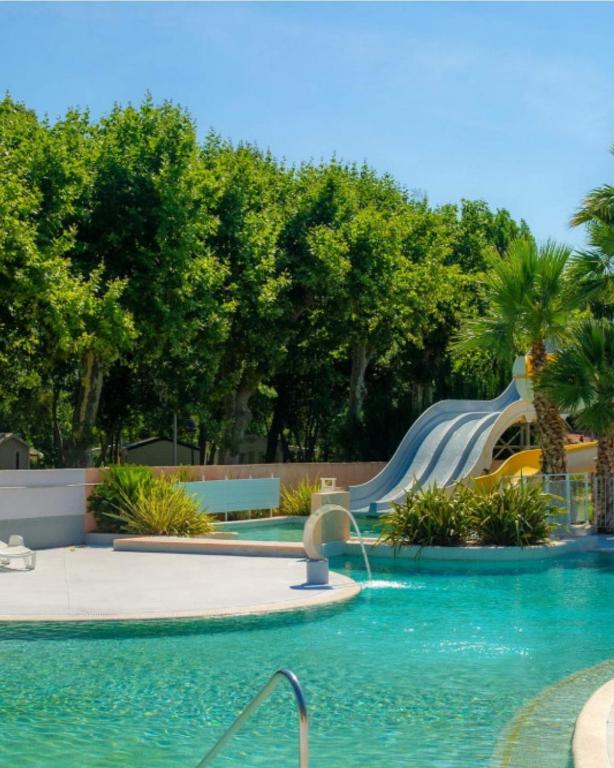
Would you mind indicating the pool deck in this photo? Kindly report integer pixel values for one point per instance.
(593, 742)
(96, 583)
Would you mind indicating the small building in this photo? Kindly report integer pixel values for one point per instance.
(14, 451)
(252, 450)
(158, 452)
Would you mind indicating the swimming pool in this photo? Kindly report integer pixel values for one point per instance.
(292, 530)
(425, 671)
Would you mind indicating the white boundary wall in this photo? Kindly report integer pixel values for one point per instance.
(45, 506)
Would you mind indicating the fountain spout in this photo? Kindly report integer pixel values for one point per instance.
(312, 534)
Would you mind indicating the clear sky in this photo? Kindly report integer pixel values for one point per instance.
(512, 103)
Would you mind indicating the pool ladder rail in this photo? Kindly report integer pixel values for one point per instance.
(259, 698)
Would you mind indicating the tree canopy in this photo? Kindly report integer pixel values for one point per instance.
(145, 272)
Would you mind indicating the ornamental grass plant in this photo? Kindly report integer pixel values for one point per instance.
(297, 501)
(119, 483)
(162, 508)
(511, 515)
(427, 518)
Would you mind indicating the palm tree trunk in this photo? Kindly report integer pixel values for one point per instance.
(605, 479)
(551, 428)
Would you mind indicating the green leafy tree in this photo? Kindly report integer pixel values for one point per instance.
(55, 318)
(147, 225)
(249, 206)
(475, 229)
(143, 275)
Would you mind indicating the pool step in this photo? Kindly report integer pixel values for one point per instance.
(540, 735)
(209, 546)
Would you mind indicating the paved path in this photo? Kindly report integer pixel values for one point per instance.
(98, 583)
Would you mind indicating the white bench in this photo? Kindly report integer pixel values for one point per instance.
(219, 497)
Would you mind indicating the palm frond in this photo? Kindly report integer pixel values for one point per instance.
(601, 236)
(488, 334)
(530, 297)
(598, 204)
(593, 269)
(581, 378)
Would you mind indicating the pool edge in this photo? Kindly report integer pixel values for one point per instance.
(590, 739)
(344, 590)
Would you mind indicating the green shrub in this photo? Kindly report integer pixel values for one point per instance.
(512, 515)
(108, 497)
(297, 501)
(162, 508)
(427, 518)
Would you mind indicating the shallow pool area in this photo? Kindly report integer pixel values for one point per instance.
(291, 530)
(427, 668)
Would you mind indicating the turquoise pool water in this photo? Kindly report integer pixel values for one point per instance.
(425, 671)
(292, 530)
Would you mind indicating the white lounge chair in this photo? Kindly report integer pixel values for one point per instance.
(15, 550)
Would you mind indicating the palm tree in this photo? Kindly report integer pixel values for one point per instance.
(581, 382)
(530, 297)
(597, 205)
(594, 266)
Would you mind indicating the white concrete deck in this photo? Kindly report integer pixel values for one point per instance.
(593, 741)
(91, 583)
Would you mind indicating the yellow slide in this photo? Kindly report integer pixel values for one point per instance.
(580, 458)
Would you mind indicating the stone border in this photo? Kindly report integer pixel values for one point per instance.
(555, 548)
(252, 548)
(346, 589)
(590, 739)
(209, 546)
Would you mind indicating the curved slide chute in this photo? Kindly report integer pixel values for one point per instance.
(451, 440)
(581, 458)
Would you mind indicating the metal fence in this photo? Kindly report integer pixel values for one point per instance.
(579, 499)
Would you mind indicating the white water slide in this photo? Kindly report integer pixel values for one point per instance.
(451, 440)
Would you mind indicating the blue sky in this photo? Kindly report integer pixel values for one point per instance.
(512, 103)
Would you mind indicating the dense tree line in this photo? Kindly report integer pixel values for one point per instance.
(145, 273)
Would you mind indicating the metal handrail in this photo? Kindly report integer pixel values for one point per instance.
(264, 693)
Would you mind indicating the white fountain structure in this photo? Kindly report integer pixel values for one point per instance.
(328, 526)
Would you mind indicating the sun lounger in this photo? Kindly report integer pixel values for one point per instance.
(15, 550)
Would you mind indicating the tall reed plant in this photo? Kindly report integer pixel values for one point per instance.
(297, 501)
(511, 515)
(427, 518)
(163, 508)
(119, 484)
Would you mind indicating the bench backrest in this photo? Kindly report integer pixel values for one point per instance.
(220, 496)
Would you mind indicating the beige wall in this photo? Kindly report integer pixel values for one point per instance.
(347, 473)
(290, 474)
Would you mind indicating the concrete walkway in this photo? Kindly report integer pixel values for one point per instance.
(89, 583)
(593, 741)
